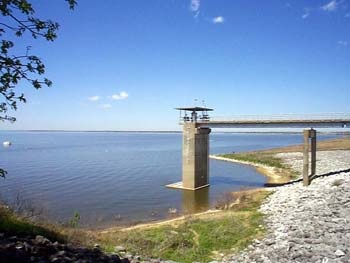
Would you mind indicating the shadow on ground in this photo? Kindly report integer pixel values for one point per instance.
(311, 178)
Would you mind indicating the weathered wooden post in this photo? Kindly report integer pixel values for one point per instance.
(313, 151)
(306, 179)
(309, 134)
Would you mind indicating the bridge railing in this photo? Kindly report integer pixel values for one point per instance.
(319, 116)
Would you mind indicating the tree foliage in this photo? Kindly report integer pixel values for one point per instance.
(2, 172)
(19, 18)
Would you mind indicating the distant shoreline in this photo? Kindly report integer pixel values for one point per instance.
(87, 131)
(177, 132)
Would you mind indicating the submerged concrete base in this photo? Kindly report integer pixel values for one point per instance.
(179, 185)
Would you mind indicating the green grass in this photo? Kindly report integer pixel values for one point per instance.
(268, 159)
(258, 158)
(194, 240)
(12, 224)
(15, 225)
(200, 240)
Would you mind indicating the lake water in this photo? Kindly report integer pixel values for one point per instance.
(117, 177)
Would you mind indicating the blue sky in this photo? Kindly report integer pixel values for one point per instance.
(124, 65)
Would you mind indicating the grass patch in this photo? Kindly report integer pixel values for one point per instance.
(264, 158)
(249, 200)
(200, 239)
(243, 200)
(12, 224)
(322, 145)
(258, 158)
(194, 240)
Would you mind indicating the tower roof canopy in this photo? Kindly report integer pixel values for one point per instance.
(194, 109)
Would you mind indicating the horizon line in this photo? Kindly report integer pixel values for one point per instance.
(165, 131)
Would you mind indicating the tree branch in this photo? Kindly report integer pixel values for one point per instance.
(26, 26)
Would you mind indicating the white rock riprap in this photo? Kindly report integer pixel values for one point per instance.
(327, 161)
(307, 224)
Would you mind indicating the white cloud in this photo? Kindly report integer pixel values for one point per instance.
(343, 43)
(196, 14)
(120, 96)
(194, 7)
(94, 98)
(218, 20)
(331, 6)
(305, 15)
(195, 4)
(307, 12)
(106, 106)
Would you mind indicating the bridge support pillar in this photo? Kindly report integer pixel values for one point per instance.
(309, 135)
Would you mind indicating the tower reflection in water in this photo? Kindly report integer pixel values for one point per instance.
(195, 201)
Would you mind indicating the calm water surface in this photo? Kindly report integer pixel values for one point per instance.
(120, 177)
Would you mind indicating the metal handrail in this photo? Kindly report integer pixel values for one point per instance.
(319, 116)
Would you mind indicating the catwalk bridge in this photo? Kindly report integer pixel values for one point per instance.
(196, 129)
(333, 120)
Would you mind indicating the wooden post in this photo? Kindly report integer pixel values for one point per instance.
(313, 151)
(306, 179)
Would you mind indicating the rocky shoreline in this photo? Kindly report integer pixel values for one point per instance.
(307, 224)
(39, 249)
(22, 249)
